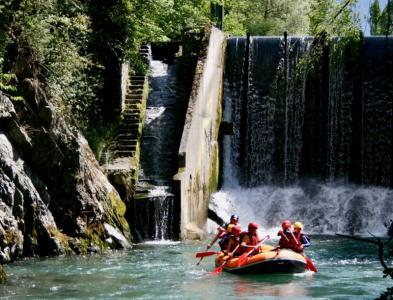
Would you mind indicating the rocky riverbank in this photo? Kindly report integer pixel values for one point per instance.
(54, 198)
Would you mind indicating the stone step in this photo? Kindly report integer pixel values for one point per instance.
(137, 84)
(137, 77)
(134, 98)
(135, 94)
(126, 148)
(134, 91)
(130, 106)
(131, 115)
(130, 125)
(130, 119)
(132, 135)
(128, 141)
(129, 128)
(137, 81)
(125, 153)
(132, 101)
(125, 135)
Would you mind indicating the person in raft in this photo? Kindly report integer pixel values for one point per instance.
(292, 240)
(250, 239)
(222, 231)
(232, 242)
(304, 240)
(287, 239)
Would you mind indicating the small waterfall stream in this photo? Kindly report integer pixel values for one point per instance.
(309, 146)
(154, 204)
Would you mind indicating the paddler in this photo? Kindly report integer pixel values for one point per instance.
(233, 242)
(223, 230)
(303, 240)
(292, 240)
(250, 239)
(287, 239)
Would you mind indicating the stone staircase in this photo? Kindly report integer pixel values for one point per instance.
(129, 131)
(121, 156)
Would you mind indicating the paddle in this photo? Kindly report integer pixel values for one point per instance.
(243, 258)
(221, 267)
(310, 265)
(206, 253)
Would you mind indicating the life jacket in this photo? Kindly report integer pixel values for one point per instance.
(303, 240)
(288, 242)
(225, 240)
(236, 242)
(253, 241)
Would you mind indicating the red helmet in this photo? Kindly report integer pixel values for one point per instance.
(252, 225)
(236, 230)
(286, 224)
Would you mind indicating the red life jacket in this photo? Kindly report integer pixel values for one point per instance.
(289, 242)
(254, 239)
(299, 238)
(236, 242)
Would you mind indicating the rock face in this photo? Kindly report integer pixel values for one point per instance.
(54, 198)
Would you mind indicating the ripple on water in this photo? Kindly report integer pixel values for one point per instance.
(170, 272)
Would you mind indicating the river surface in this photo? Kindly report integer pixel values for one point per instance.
(167, 270)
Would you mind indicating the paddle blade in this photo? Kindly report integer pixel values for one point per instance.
(204, 254)
(219, 269)
(310, 265)
(242, 259)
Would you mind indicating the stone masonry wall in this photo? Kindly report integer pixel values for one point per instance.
(198, 153)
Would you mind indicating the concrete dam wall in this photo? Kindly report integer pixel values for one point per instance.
(198, 152)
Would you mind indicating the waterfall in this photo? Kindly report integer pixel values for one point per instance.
(153, 215)
(154, 206)
(308, 146)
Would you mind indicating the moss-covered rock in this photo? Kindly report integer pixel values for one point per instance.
(3, 276)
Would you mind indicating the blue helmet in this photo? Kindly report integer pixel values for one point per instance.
(235, 217)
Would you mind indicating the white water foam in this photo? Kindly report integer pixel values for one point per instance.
(159, 191)
(161, 242)
(323, 208)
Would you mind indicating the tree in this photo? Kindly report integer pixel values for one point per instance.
(381, 22)
(375, 16)
(266, 17)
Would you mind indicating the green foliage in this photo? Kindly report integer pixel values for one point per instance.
(375, 15)
(335, 18)
(266, 17)
(379, 19)
(74, 45)
(335, 24)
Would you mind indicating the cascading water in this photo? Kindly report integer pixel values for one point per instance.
(154, 203)
(308, 146)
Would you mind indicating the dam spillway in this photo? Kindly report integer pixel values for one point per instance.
(311, 142)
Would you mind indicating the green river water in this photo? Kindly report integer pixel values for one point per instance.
(347, 270)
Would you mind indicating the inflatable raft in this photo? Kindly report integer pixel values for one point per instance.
(268, 261)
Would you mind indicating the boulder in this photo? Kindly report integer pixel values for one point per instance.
(54, 197)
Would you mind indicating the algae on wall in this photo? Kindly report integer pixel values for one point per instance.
(197, 176)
